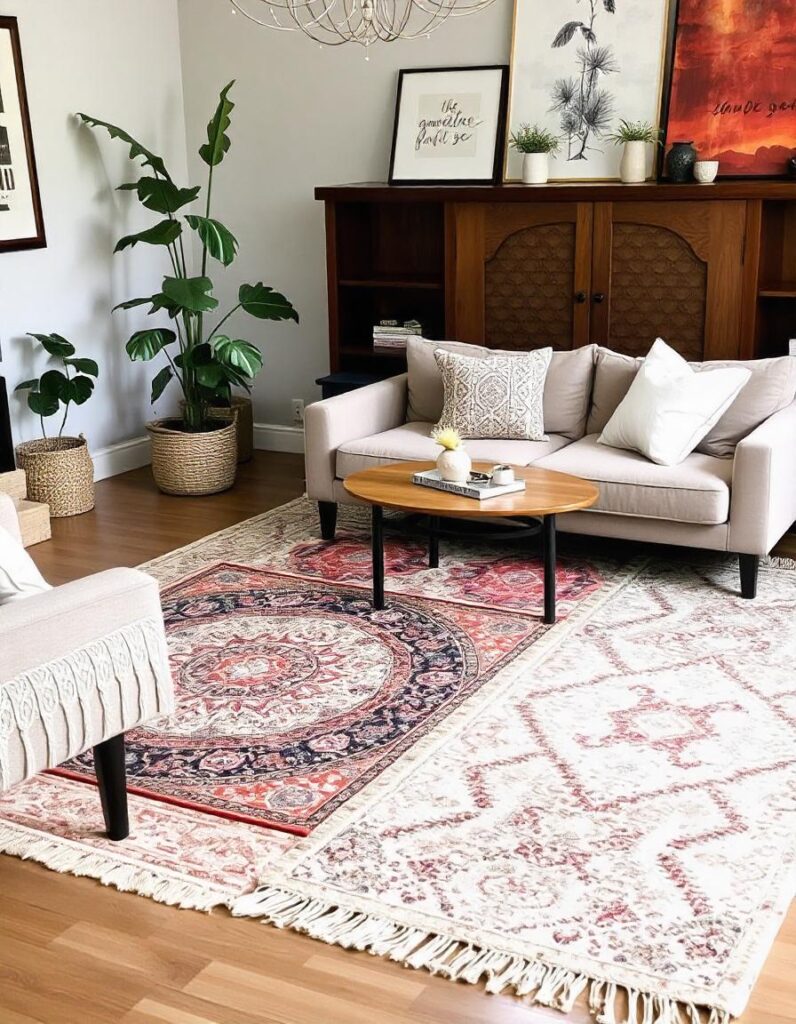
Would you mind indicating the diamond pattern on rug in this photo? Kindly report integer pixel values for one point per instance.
(624, 812)
(292, 694)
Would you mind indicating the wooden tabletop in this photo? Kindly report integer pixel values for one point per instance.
(546, 492)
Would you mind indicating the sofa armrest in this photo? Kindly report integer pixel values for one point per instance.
(47, 626)
(8, 517)
(332, 422)
(763, 503)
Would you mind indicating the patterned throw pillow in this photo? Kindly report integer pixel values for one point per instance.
(499, 396)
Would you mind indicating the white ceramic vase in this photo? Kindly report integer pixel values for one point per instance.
(535, 168)
(633, 167)
(454, 466)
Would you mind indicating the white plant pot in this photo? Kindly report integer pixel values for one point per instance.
(455, 466)
(633, 167)
(535, 168)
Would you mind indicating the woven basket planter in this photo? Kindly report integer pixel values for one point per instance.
(193, 464)
(243, 411)
(59, 473)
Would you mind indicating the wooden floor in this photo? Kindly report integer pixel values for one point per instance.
(75, 952)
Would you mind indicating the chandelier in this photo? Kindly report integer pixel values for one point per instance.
(334, 22)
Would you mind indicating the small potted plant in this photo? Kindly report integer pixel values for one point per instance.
(196, 453)
(536, 144)
(59, 469)
(634, 137)
(453, 463)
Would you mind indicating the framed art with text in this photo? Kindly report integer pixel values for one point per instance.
(731, 83)
(450, 126)
(578, 67)
(21, 223)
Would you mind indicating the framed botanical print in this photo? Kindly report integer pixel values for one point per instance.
(21, 223)
(450, 126)
(731, 83)
(578, 67)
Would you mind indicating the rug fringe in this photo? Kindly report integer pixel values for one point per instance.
(545, 983)
(66, 858)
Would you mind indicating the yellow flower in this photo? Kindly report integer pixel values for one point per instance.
(448, 438)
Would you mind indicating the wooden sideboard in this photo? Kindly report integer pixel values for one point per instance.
(712, 269)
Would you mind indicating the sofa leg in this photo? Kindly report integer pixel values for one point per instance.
(112, 780)
(749, 565)
(327, 510)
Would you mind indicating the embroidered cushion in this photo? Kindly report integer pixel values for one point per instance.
(496, 396)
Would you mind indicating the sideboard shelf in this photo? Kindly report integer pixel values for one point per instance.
(712, 268)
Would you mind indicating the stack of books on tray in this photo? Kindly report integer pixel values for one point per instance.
(390, 335)
(479, 487)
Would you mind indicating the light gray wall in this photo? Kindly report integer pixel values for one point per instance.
(118, 60)
(305, 116)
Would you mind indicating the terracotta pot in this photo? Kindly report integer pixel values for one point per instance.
(59, 473)
(193, 464)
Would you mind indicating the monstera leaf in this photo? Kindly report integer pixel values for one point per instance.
(214, 150)
(218, 240)
(164, 233)
(145, 345)
(264, 303)
(190, 293)
(238, 355)
(54, 344)
(160, 195)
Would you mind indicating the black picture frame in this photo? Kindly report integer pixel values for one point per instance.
(500, 134)
(39, 239)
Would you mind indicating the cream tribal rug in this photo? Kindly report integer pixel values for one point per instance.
(614, 813)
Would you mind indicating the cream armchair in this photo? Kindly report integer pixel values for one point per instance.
(80, 665)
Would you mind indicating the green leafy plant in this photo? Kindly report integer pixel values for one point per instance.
(204, 362)
(533, 139)
(56, 388)
(636, 131)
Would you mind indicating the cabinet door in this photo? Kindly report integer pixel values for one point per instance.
(672, 270)
(519, 274)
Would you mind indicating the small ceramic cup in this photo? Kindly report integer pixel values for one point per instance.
(502, 475)
(705, 171)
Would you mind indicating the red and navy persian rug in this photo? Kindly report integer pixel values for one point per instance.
(294, 693)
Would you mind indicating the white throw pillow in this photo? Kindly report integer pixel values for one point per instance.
(669, 408)
(19, 576)
(497, 396)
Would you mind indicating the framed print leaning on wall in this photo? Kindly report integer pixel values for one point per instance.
(21, 224)
(450, 126)
(732, 83)
(577, 68)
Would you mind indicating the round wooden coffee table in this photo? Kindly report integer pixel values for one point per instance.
(531, 512)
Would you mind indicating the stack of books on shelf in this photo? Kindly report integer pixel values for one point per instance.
(390, 335)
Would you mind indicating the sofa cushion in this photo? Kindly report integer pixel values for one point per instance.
(771, 388)
(500, 396)
(567, 389)
(412, 442)
(695, 491)
(613, 375)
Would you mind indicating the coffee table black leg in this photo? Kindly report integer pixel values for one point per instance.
(377, 534)
(433, 542)
(549, 549)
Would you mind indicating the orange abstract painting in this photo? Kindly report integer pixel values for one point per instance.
(733, 83)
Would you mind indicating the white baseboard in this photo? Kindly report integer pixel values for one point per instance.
(276, 437)
(118, 458)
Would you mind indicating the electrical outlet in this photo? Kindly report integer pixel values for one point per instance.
(298, 411)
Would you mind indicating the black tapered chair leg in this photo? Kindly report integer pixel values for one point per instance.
(112, 781)
(749, 565)
(327, 510)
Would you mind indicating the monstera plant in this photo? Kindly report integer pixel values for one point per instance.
(196, 453)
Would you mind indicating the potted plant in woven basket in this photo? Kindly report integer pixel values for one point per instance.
(196, 454)
(59, 469)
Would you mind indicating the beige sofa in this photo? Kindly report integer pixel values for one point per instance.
(742, 502)
(80, 665)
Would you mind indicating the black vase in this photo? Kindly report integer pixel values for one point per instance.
(680, 162)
